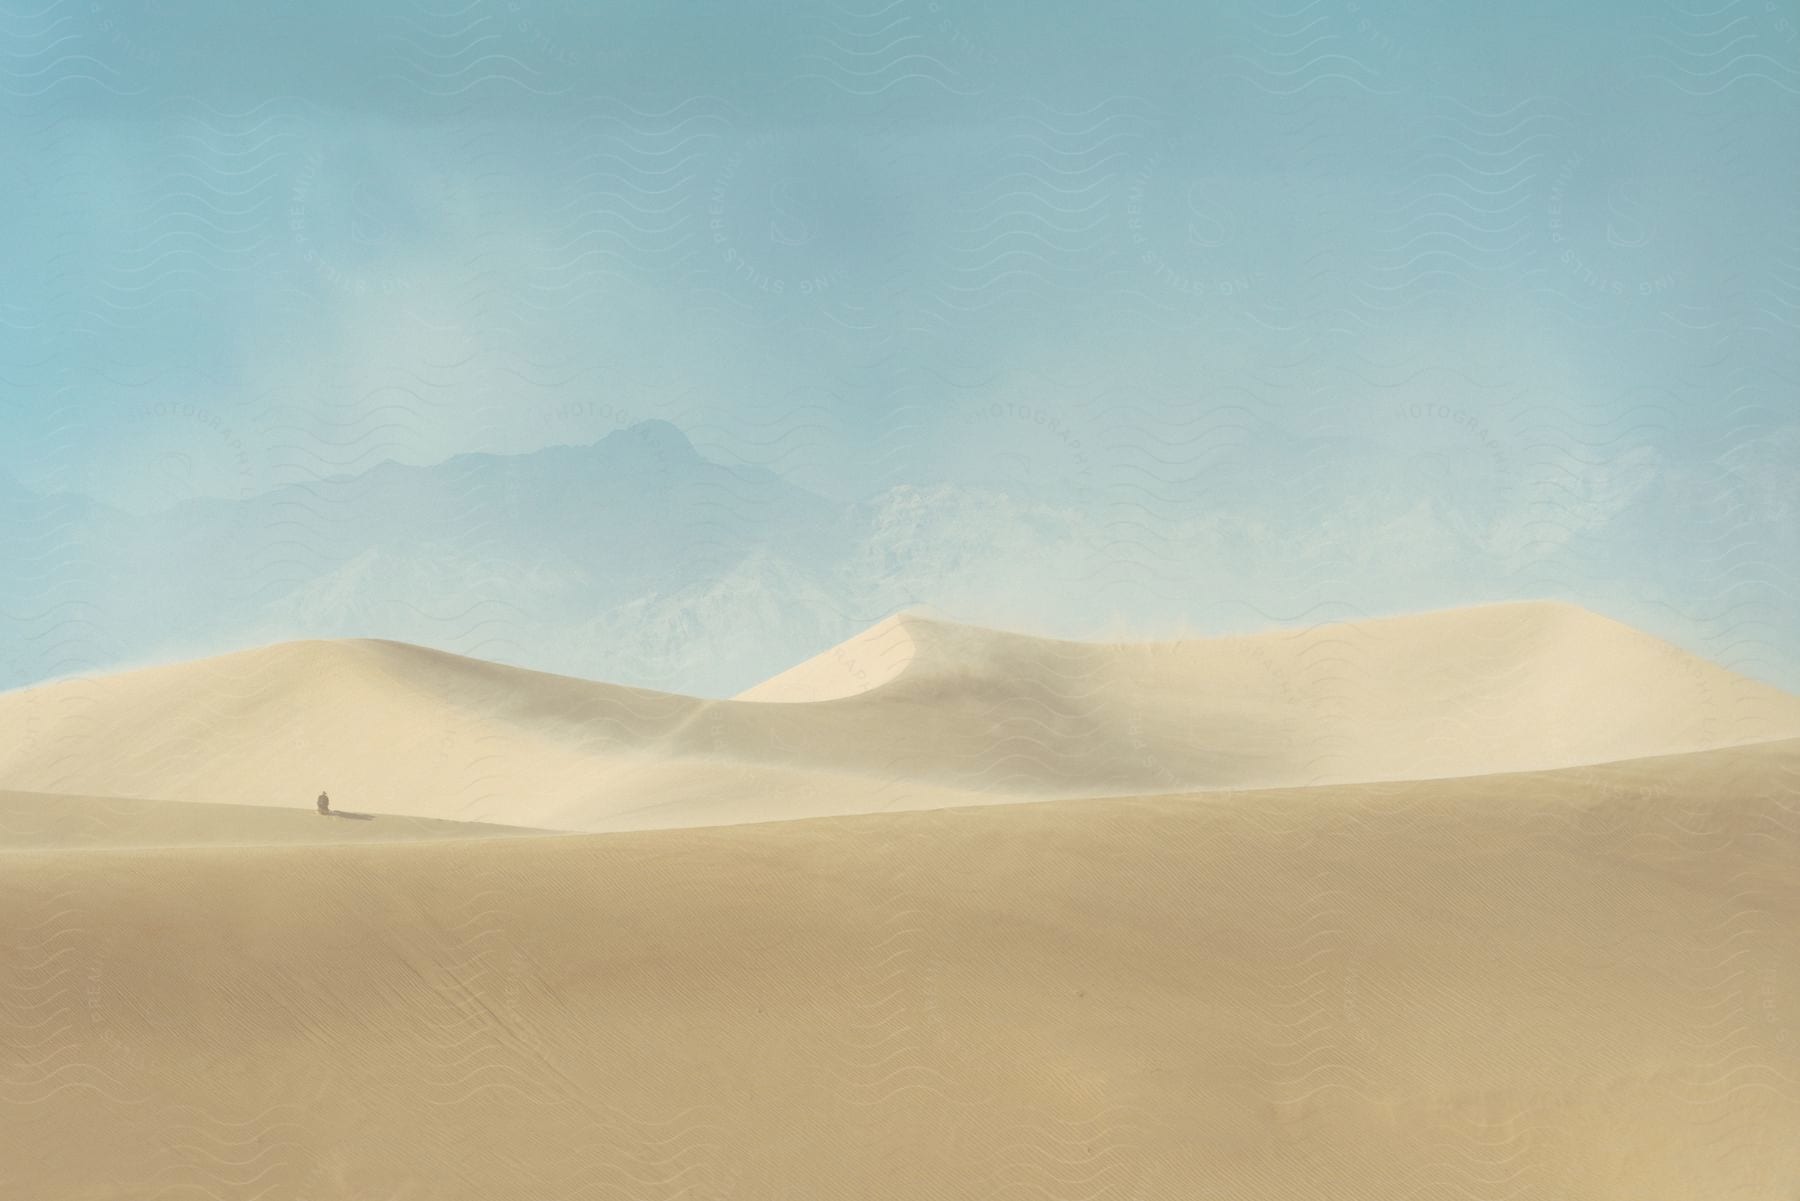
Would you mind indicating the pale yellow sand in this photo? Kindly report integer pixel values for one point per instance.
(1576, 985)
(39, 820)
(914, 715)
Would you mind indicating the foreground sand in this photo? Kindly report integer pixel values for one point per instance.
(1574, 984)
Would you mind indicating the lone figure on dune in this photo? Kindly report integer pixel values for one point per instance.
(324, 805)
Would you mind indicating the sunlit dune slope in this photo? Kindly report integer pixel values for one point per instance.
(36, 820)
(1575, 984)
(951, 715)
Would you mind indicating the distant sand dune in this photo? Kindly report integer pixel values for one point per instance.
(1575, 984)
(914, 714)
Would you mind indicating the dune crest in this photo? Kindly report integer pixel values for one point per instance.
(864, 662)
(35, 821)
(913, 714)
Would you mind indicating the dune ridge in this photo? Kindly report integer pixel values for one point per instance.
(914, 714)
(54, 821)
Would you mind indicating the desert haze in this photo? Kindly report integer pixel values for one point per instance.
(1495, 902)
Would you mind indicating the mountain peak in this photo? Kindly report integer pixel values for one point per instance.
(663, 439)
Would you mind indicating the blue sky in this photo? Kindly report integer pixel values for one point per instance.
(1272, 311)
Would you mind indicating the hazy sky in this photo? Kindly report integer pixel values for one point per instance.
(1288, 306)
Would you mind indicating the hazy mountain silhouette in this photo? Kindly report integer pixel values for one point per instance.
(566, 554)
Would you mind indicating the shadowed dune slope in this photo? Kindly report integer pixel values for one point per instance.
(950, 715)
(1574, 984)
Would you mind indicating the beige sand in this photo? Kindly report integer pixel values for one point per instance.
(42, 821)
(1580, 982)
(1577, 985)
(947, 716)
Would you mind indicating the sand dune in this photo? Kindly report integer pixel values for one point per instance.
(1576, 984)
(1560, 963)
(37, 821)
(915, 714)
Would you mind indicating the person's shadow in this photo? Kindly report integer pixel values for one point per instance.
(355, 817)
